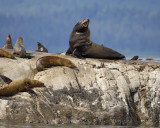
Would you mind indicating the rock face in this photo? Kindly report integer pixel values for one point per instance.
(101, 92)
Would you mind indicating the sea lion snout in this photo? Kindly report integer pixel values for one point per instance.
(85, 22)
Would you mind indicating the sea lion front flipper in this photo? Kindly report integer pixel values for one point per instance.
(77, 53)
(31, 92)
(68, 51)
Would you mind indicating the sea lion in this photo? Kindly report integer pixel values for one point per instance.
(4, 53)
(8, 44)
(19, 85)
(41, 48)
(49, 61)
(19, 48)
(135, 58)
(81, 46)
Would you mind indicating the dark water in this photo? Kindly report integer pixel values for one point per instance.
(12, 125)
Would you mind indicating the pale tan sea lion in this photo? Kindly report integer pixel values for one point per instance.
(4, 53)
(81, 46)
(20, 48)
(41, 48)
(19, 85)
(8, 44)
(49, 61)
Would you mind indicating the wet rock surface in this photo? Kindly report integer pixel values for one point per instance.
(101, 92)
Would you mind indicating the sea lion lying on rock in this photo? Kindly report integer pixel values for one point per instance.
(81, 46)
(49, 61)
(4, 53)
(19, 85)
(8, 44)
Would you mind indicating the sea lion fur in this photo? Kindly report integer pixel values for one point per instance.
(81, 46)
(5, 53)
(19, 85)
(19, 48)
(41, 48)
(49, 61)
(8, 44)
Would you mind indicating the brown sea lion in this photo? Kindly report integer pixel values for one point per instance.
(81, 46)
(19, 85)
(49, 61)
(41, 48)
(8, 44)
(4, 53)
(20, 48)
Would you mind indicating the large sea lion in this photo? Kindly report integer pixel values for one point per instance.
(41, 48)
(8, 44)
(81, 46)
(4, 53)
(49, 61)
(20, 48)
(19, 85)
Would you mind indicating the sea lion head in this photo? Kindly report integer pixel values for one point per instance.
(20, 40)
(33, 83)
(82, 26)
(9, 37)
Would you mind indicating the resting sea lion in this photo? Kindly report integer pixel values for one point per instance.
(81, 46)
(41, 48)
(8, 44)
(48, 61)
(16, 86)
(4, 53)
(20, 48)
(135, 58)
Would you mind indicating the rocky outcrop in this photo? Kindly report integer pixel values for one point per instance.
(99, 92)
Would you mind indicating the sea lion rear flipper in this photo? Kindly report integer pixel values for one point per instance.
(6, 79)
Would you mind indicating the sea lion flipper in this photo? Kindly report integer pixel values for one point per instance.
(68, 51)
(30, 91)
(6, 79)
(76, 53)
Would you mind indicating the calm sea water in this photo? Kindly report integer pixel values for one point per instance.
(13, 125)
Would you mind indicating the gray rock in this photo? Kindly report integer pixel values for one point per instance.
(104, 92)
